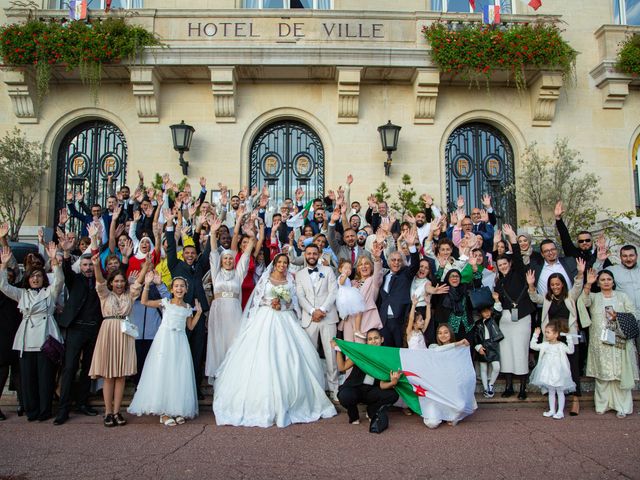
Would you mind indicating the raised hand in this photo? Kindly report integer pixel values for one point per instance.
(486, 201)
(203, 182)
(408, 217)
(137, 215)
(496, 296)
(531, 278)
(214, 225)
(148, 278)
(349, 179)
(335, 215)
(558, 211)
(537, 331)
(167, 213)
(371, 202)
(69, 196)
(484, 216)
(157, 278)
(63, 217)
(411, 236)
(79, 196)
(592, 276)
(92, 229)
(376, 249)
(427, 199)
(120, 230)
(460, 202)
(511, 233)
(127, 250)
(5, 256)
(41, 235)
(96, 260)
(582, 265)
(441, 289)
(66, 242)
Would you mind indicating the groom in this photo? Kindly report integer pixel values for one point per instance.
(316, 287)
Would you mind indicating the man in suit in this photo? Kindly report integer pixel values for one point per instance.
(394, 298)
(350, 249)
(552, 263)
(316, 287)
(81, 317)
(192, 268)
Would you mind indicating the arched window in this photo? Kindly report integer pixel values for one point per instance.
(88, 154)
(286, 155)
(479, 160)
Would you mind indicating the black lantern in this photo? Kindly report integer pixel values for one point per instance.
(389, 134)
(182, 135)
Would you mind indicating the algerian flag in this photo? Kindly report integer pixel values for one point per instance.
(437, 384)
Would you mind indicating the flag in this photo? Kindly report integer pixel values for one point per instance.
(473, 4)
(436, 384)
(535, 4)
(77, 9)
(491, 14)
(297, 220)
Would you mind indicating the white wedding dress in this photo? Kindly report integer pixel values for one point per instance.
(272, 373)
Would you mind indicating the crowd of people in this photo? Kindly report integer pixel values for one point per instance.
(166, 289)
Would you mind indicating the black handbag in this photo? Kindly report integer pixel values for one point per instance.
(628, 325)
(380, 421)
(53, 350)
(481, 298)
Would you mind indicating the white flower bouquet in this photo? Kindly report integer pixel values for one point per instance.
(282, 293)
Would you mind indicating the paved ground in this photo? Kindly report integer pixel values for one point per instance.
(497, 442)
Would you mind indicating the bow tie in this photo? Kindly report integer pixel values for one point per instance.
(311, 270)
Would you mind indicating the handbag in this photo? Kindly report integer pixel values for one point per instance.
(380, 421)
(129, 328)
(608, 337)
(481, 298)
(53, 350)
(628, 325)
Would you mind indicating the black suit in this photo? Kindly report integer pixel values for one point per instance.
(398, 297)
(354, 391)
(81, 317)
(568, 263)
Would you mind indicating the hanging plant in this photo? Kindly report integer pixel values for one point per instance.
(629, 56)
(82, 45)
(475, 51)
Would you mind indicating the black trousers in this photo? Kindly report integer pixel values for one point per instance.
(198, 344)
(37, 375)
(372, 396)
(11, 372)
(142, 350)
(78, 352)
(392, 331)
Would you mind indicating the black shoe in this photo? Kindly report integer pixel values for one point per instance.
(119, 419)
(31, 419)
(508, 392)
(109, 420)
(87, 410)
(2, 416)
(20, 411)
(45, 417)
(61, 418)
(523, 392)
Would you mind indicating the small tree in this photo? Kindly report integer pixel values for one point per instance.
(382, 193)
(406, 198)
(546, 180)
(22, 165)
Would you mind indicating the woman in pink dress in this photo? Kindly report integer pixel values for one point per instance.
(368, 280)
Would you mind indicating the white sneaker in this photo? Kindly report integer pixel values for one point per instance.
(559, 416)
(549, 414)
(621, 415)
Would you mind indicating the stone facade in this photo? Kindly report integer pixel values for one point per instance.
(230, 72)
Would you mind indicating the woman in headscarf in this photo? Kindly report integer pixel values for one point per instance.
(226, 307)
(525, 243)
(451, 302)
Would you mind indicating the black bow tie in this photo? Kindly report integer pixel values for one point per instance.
(311, 270)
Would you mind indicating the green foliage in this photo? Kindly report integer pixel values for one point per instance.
(82, 45)
(475, 51)
(157, 185)
(629, 55)
(382, 193)
(546, 180)
(407, 198)
(22, 165)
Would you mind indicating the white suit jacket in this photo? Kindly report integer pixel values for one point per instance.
(322, 295)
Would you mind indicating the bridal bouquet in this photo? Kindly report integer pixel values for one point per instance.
(282, 293)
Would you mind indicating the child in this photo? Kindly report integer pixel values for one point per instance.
(167, 384)
(487, 336)
(552, 373)
(416, 326)
(349, 300)
(446, 340)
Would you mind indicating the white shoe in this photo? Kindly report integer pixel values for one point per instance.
(355, 422)
(549, 414)
(559, 416)
(621, 415)
(333, 396)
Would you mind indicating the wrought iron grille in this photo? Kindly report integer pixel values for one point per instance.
(87, 155)
(479, 160)
(286, 155)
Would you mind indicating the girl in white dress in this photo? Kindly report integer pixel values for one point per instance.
(272, 373)
(349, 300)
(226, 308)
(553, 373)
(167, 385)
(416, 326)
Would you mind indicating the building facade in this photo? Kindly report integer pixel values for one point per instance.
(291, 92)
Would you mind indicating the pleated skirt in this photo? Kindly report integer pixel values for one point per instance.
(115, 352)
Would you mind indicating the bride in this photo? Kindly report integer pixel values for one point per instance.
(272, 373)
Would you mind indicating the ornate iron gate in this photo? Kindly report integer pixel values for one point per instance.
(286, 155)
(87, 155)
(479, 160)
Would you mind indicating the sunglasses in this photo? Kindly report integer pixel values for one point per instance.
(584, 240)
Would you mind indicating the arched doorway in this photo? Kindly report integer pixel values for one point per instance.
(479, 160)
(286, 155)
(88, 154)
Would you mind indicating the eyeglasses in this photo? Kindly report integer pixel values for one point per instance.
(584, 240)
(549, 250)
